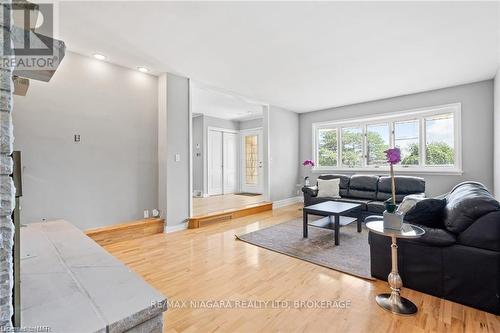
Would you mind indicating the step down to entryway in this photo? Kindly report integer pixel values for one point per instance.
(228, 214)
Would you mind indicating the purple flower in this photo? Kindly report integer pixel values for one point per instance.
(308, 163)
(393, 155)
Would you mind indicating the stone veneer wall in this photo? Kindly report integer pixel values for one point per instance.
(7, 190)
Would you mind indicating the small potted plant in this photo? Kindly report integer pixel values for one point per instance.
(307, 164)
(392, 219)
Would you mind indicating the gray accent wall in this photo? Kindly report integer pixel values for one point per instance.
(111, 175)
(496, 139)
(284, 153)
(178, 124)
(197, 153)
(477, 129)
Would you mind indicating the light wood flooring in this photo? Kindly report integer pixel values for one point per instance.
(209, 264)
(203, 206)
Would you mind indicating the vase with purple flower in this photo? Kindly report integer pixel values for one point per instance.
(308, 164)
(392, 219)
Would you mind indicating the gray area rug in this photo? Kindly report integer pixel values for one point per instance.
(351, 256)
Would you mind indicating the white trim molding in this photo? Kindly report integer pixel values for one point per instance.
(287, 202)
(176, 227)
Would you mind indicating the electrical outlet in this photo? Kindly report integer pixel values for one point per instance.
(77, 137)
(177, 157)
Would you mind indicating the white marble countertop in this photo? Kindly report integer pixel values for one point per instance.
(71, 284)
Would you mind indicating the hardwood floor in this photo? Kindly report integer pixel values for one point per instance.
(209, 264)
(202, 206)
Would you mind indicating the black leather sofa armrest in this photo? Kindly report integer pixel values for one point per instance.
(484, 233)
(311, 191)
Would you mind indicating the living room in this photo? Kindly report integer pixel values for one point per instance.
(251, 167)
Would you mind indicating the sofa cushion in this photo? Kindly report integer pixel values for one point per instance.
(466, 203)
(328, 188)
(376, 207)
(363, 187)
(405, 185)
(428, 212)
(344, 182)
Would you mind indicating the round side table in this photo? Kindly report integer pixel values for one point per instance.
(393, 302)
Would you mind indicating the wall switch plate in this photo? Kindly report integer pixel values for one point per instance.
(177, 157)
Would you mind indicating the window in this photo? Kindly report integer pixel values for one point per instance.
(406, 138)
(429, 140)
(327, 147)
(439, 147)
(377, 141)
(352, 146)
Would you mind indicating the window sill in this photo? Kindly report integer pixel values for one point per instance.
(427, 171)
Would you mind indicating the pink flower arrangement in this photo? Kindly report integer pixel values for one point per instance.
(308, 163)
(393, 155)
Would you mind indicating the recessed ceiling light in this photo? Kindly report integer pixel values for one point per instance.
(142, 69)
(99, 56)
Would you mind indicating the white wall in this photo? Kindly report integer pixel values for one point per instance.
(477, 128)
(253, 123)
(111, 175)
(284, 153)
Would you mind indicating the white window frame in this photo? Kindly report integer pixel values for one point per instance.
(419, 114)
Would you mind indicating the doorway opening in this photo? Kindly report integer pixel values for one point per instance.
(229, 163)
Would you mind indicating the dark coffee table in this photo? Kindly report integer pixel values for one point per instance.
(330, 209)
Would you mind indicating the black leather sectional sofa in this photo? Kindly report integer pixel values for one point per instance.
(458, 260)
(368, 190)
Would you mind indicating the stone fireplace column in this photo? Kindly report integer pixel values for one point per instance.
(7, 190)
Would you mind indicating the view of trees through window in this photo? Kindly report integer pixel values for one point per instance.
(327, 153)
(354, 151)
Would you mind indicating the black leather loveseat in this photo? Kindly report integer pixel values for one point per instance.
(368, 190)
(458, 259)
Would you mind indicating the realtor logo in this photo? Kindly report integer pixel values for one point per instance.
(33, 46)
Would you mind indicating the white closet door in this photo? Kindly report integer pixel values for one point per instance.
(230, 165)
(214, 162)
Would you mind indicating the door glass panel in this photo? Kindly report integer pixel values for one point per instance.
(251, 159)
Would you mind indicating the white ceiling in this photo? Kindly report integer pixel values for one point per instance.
(210, 102)
(302, 56)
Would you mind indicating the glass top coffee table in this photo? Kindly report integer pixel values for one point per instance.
(330, 209)
(393, 302)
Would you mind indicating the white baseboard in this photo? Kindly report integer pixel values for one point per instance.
(287, 202)
(177, 227)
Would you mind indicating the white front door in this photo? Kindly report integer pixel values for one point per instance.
(230, 165)
(214, 162)
(252, 171)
